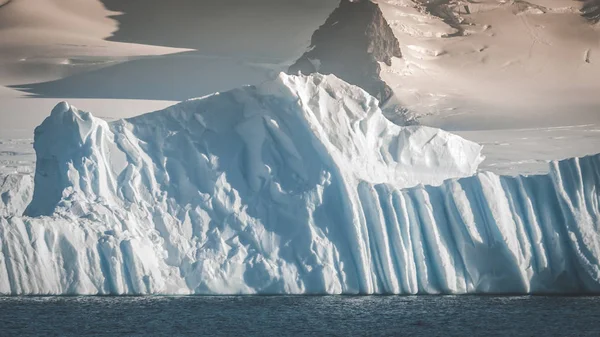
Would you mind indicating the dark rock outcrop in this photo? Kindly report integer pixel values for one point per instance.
(591, 10)
(446, 11)
(350, 44)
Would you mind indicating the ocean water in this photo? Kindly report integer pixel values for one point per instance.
(300, 315)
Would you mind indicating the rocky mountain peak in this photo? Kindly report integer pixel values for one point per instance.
(350, 44)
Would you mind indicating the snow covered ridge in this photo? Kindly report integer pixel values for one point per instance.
(295, 186)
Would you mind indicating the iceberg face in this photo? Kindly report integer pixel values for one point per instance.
(15, 193)
(299, 185)
(487, 233)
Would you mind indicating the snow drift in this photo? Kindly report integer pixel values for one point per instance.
(299, 185)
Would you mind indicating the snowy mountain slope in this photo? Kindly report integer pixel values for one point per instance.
(294, 186)
(48, 39)
(494, 64)
(517, 76)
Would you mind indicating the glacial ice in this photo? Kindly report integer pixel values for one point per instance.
(296, 186)
(15, 193)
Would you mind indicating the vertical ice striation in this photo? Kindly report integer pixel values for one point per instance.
(490, 234)
(299, 185)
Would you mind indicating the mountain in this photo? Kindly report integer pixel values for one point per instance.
(350, 44)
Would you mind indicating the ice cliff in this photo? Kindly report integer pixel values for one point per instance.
(298, 185)
(15, 193)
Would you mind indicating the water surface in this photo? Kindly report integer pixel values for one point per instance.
(300, 315)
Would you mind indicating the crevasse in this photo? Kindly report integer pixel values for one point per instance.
(299, 185)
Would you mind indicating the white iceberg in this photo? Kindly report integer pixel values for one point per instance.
(296, 186)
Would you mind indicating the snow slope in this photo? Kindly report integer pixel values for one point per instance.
(519, 77)
(48, 39)
(294, 186)
(495, 64)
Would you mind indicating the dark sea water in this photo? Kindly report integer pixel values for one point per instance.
(289, 315)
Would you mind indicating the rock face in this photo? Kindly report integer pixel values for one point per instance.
(350, 44)
(591, 10)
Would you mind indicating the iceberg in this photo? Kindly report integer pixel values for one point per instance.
(297, 186)
(15, 193)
